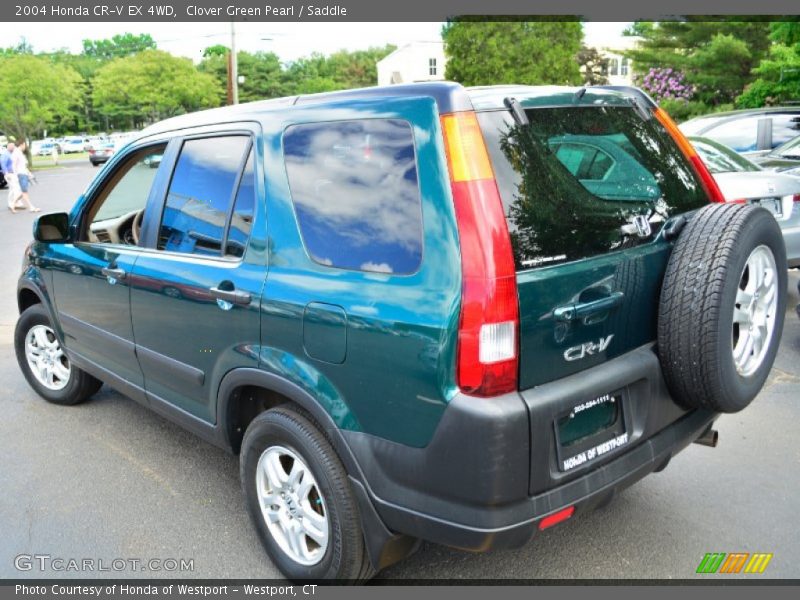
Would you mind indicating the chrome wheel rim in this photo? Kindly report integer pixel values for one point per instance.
(46, 358)
(292, 505)
(754, 311)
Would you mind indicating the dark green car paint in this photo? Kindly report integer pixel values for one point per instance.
(636, 272)
(383, 352)
(372, 356)
(397, 376)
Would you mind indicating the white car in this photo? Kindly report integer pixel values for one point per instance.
(741, 180)
(72, 145)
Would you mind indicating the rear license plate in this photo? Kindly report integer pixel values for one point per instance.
(773, 205)
(590, 430)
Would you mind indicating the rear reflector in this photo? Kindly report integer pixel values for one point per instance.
(556, 518)
(706, 178)
(487, 361)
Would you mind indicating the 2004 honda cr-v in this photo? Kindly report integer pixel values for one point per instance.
(417, 312)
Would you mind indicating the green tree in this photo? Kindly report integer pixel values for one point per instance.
(717, 57)
(720, 69)
(151, 85)
(525, 52)
(35, 95)
(778, 76)
(124, 44)
(263, 77)
(592, 65)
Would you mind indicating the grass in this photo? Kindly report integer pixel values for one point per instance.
(43, 162)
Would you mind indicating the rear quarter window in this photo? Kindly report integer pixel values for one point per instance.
(356, 195)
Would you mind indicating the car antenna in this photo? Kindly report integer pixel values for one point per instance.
(516, 111)
(579, 94)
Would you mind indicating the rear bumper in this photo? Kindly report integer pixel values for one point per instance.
(490, 473)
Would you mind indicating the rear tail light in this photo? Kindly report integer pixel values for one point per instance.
(487, 362)
(706, 179)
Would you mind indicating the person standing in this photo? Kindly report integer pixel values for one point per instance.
(14, 193)
(54, 154)
(19, 163)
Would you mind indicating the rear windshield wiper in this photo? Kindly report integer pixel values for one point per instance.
(639, 108)
(516, 111)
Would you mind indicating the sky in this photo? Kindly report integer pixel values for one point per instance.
(289, 41)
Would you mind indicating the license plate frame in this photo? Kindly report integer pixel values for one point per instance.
(572, 452)
(773, 205)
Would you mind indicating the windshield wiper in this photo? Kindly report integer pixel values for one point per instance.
(516, 111)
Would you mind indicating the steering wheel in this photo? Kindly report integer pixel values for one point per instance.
(136, 228)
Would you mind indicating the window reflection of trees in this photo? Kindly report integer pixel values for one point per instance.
(554, 217)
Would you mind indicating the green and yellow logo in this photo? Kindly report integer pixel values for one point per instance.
(735, 562)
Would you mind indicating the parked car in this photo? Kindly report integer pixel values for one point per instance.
(784, 159)
(743, 181)
(46, 148)
(751, 132)
(101, 154)
(409, 313)
(91, 143)
(72, 145)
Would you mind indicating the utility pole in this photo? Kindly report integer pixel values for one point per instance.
(233, 71)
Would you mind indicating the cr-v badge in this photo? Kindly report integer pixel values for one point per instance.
(587, 349)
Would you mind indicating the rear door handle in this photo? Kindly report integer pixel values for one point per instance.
(232, 296)
(113, 274)
(579, 310)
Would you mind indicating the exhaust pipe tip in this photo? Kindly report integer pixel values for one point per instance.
(709, 437)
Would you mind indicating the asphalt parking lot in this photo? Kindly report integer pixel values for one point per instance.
(109, 479)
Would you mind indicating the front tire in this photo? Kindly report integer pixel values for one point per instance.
(299, 498)
(44, 362)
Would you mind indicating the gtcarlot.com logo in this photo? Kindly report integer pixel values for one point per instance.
(46, 562)
(733, 563)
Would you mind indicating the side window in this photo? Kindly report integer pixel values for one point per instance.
(739, 134)
(784, 128)
(115, 216)
(200, 195)
(584, 161)
(355, 192)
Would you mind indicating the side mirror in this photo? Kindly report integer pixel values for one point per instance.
(53, 227)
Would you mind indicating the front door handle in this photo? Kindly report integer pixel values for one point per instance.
(580, 310)
(232, 296)
(113, 274)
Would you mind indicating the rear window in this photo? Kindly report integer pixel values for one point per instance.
(577, 182)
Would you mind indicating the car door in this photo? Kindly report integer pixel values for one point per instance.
(90, 276)
(195, 289)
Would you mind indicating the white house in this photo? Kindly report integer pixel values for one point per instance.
(620, 68)
(417, 61)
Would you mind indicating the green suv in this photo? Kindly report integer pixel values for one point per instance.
(415, 312)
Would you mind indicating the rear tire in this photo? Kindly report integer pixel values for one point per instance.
(722, 307)
(293, 483)
(44, 362)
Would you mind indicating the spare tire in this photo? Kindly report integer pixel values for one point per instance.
(722, 307)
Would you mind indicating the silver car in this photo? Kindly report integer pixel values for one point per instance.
(744, 181)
